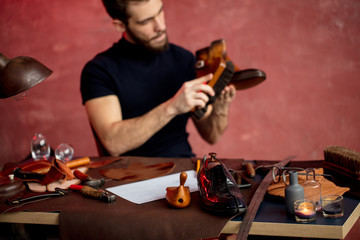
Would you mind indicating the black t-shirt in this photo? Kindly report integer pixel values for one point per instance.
(142, 80)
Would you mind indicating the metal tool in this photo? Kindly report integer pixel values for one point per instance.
(26, 198)
(89, 181)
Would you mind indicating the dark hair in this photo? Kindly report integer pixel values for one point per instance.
(117, 9)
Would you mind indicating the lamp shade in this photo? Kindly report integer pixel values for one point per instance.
(20, 74)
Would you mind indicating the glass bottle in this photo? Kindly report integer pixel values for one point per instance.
(312, 188)
(294, 191)
(40, 148)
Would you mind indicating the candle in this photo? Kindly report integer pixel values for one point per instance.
(332, 206)
(305, 213)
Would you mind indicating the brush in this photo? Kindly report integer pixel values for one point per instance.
(342, 160)
(213, 60)
(222, 77)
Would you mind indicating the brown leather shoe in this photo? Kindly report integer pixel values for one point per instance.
(207, 62)
(218, 190)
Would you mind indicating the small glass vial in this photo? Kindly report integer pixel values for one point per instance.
(312, 188)
(64, 152)
(40, 148)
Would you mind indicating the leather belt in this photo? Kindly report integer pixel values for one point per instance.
(256, 200)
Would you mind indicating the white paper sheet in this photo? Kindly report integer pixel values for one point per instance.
(153, 189)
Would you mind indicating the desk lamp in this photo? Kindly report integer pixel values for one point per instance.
(20, 74)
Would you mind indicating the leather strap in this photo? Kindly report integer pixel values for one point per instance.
(256, 200)
(31, 197)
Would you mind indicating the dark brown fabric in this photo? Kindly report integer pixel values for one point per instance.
(84, 218)
(92, 219)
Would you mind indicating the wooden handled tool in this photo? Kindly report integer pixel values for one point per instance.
(211, 60)
(250, 169)
(94, 193)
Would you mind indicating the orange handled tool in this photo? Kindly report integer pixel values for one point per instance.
(94, 193)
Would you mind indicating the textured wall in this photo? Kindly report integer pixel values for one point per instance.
(309, 50)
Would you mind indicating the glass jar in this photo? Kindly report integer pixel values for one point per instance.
(312, 188)
(40, 148)
(64, 152)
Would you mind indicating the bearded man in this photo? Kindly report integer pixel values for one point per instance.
(139, 93)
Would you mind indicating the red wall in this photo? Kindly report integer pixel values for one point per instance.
(309, 50)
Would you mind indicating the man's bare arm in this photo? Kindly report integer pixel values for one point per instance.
(215, 121)
(119, 136)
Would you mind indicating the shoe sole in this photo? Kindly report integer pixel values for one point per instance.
(223, 212)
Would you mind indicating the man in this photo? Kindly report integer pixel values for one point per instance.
(139, 93)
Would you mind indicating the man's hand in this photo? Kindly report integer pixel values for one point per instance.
(222, 103)
(215, 121)
(192, 94)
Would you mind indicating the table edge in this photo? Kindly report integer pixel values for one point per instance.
(43, 218)
(296, 229)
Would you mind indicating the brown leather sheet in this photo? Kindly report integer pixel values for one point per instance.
(91, 219)
(327, 186)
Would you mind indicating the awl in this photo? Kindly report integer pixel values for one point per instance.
(94, 193)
